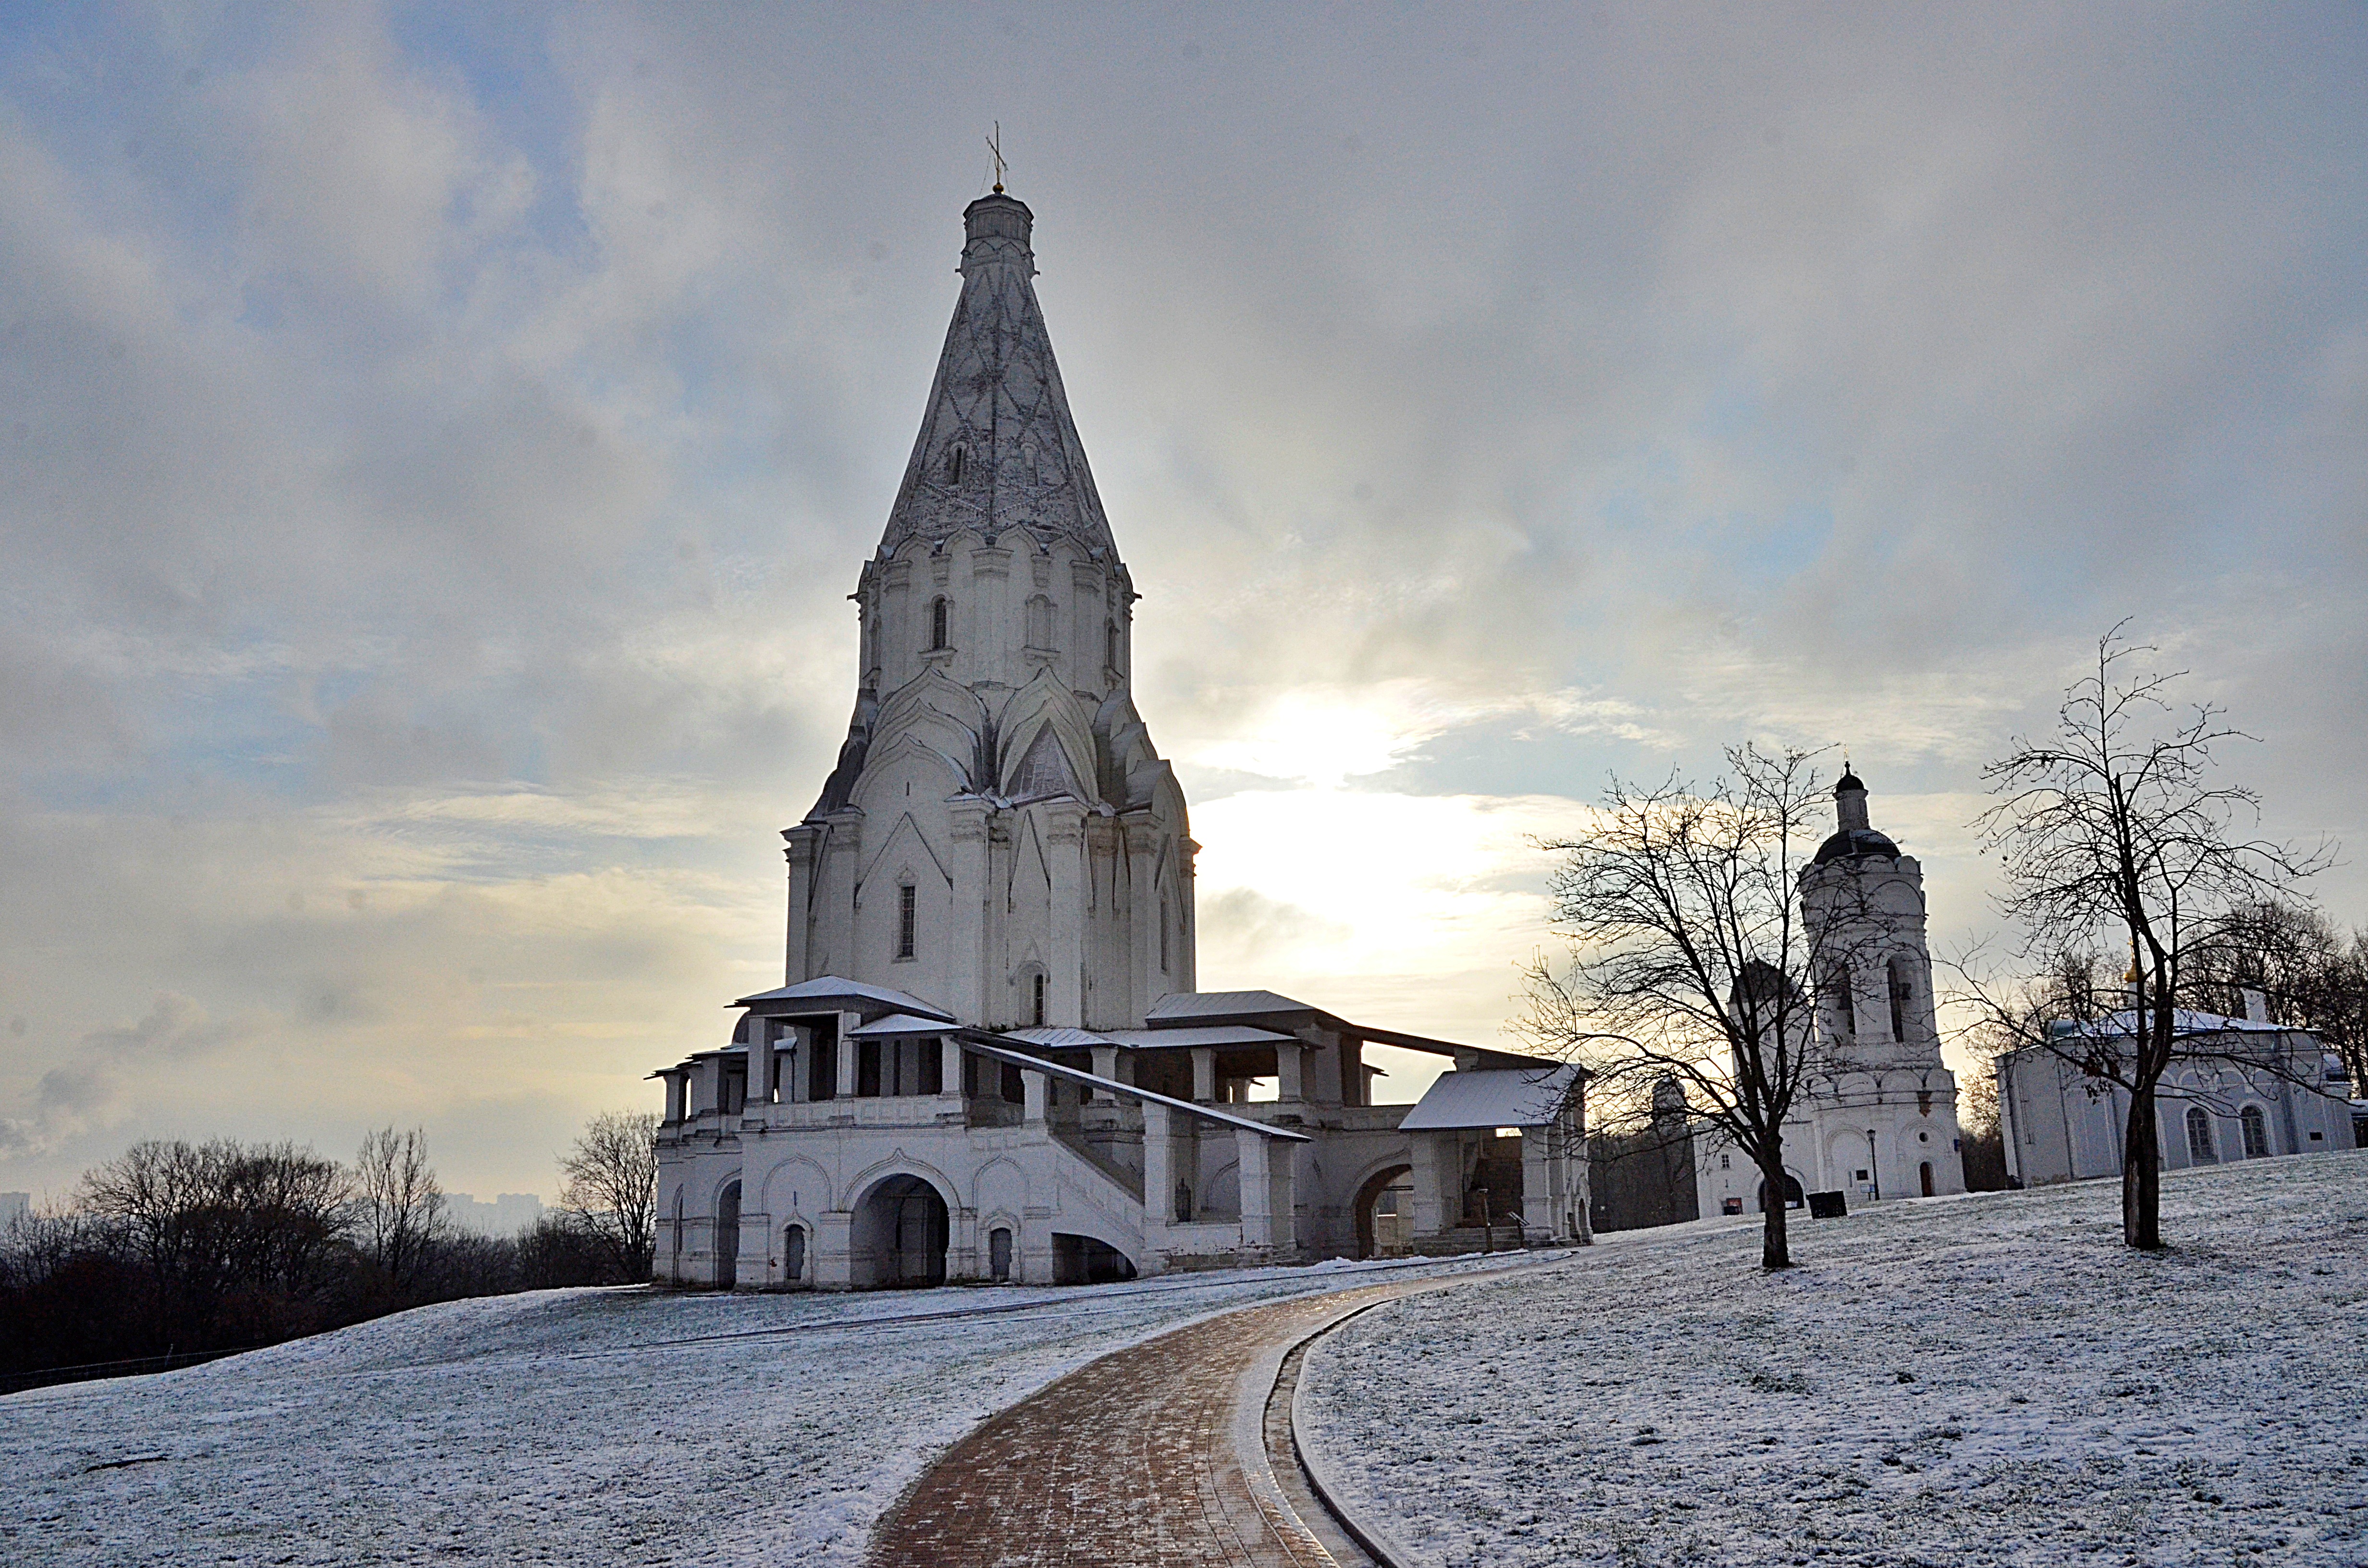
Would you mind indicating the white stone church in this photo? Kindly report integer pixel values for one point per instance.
(988, 1061)
(1877, 1118)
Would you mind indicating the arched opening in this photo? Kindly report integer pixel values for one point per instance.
(998, 1255)
(2199, 1137)
(937, 623)
(727, 1234)
(1924, 1175)
(1793, 1197)
(674, 1270)
(2255, 1129)
(900, 1235)
(1085, 1260)
(793, 1254)
(1385, 1213)
(1900, 992)
(954, 466)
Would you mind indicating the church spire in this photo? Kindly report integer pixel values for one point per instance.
(997, 452)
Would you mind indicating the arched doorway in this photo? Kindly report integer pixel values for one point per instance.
(1924, 1175)
(727, 1234)
(1385, 1213)
(900, 1235)
(1793, 1197)
(998, 1255)
(793, 1254)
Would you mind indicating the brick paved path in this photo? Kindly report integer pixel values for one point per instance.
(1145, 1459)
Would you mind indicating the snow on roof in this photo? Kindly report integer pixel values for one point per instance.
(1184, 1037)
(832, 988)
(1056, 1037)
(1517, 1096)
(2183, 1021)
(901, 1023)
(1224, 1004)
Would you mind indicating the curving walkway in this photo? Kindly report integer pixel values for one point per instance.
(1164, 1454)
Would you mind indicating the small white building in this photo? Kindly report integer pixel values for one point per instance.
(2236, 1089)
(988, 1059)
(1878, 1118)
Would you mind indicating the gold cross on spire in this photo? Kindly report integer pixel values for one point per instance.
(995, 148)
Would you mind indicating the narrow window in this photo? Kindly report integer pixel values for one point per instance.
(1036, 1006)
(1112, 630)
(1162, 936)
(904, 921)
(2255, 1129)
(794, 1253)
(937, 623)
(1837, 1002)
(954, 467)
(1899, 991)
(2198, 1136)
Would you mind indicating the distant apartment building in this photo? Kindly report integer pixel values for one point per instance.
(506, 1215)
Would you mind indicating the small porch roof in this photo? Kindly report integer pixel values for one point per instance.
(1272, 1010)
(900, 1023)
(833, 993)
(1516, 1096)
(1055, 1038)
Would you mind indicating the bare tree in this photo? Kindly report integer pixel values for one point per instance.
(2114, 829)
(611, 1187)
(1690, 959)
(399, 1208)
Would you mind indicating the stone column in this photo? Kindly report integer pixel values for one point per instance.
(1287, 1060)
(1258, 1188)
(1430, 1195)
(950, 1071)
(830, 1251)
(800, 856)
(760, 1062)
(847, 1024)
(1033, 1085)
(1105, 1066)
(675, 1084)
(1204, 1074)
(1158, 1168)
(1065, 853)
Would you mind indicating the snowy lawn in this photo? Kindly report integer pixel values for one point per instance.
(1991, 1379)
(579, 1426)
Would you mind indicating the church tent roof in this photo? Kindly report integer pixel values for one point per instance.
(1497, 1098)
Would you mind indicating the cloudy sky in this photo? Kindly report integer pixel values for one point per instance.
(438, 443)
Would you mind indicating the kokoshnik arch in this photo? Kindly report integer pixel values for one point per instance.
(989, 1061)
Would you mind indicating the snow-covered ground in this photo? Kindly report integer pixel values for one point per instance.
(580, 1426)
(1991, 1379)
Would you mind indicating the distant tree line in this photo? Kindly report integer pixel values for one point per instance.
(176, 1252)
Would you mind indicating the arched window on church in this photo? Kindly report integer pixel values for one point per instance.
(1111, 642)
(1839, 1006)
(1896, 972)
(954, 466)
(1040, 623)
(2255, 1129)
(939, 623)
(907, 921)
(1036, 999)
(2198, 1136)
(1162, 936)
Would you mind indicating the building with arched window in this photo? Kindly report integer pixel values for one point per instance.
(2237, 1088)
(987, 1059)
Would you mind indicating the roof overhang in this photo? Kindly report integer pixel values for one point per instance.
(1504, 1097)
(829, 995)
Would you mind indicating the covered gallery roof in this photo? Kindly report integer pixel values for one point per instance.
(1517, 1096)
(1272, 1010)
(1054, 1038)
(833, 993)
(900, 1023)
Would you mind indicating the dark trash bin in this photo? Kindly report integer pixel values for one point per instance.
(1826, 1206)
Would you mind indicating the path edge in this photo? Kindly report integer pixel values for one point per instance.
(1322, 1480)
